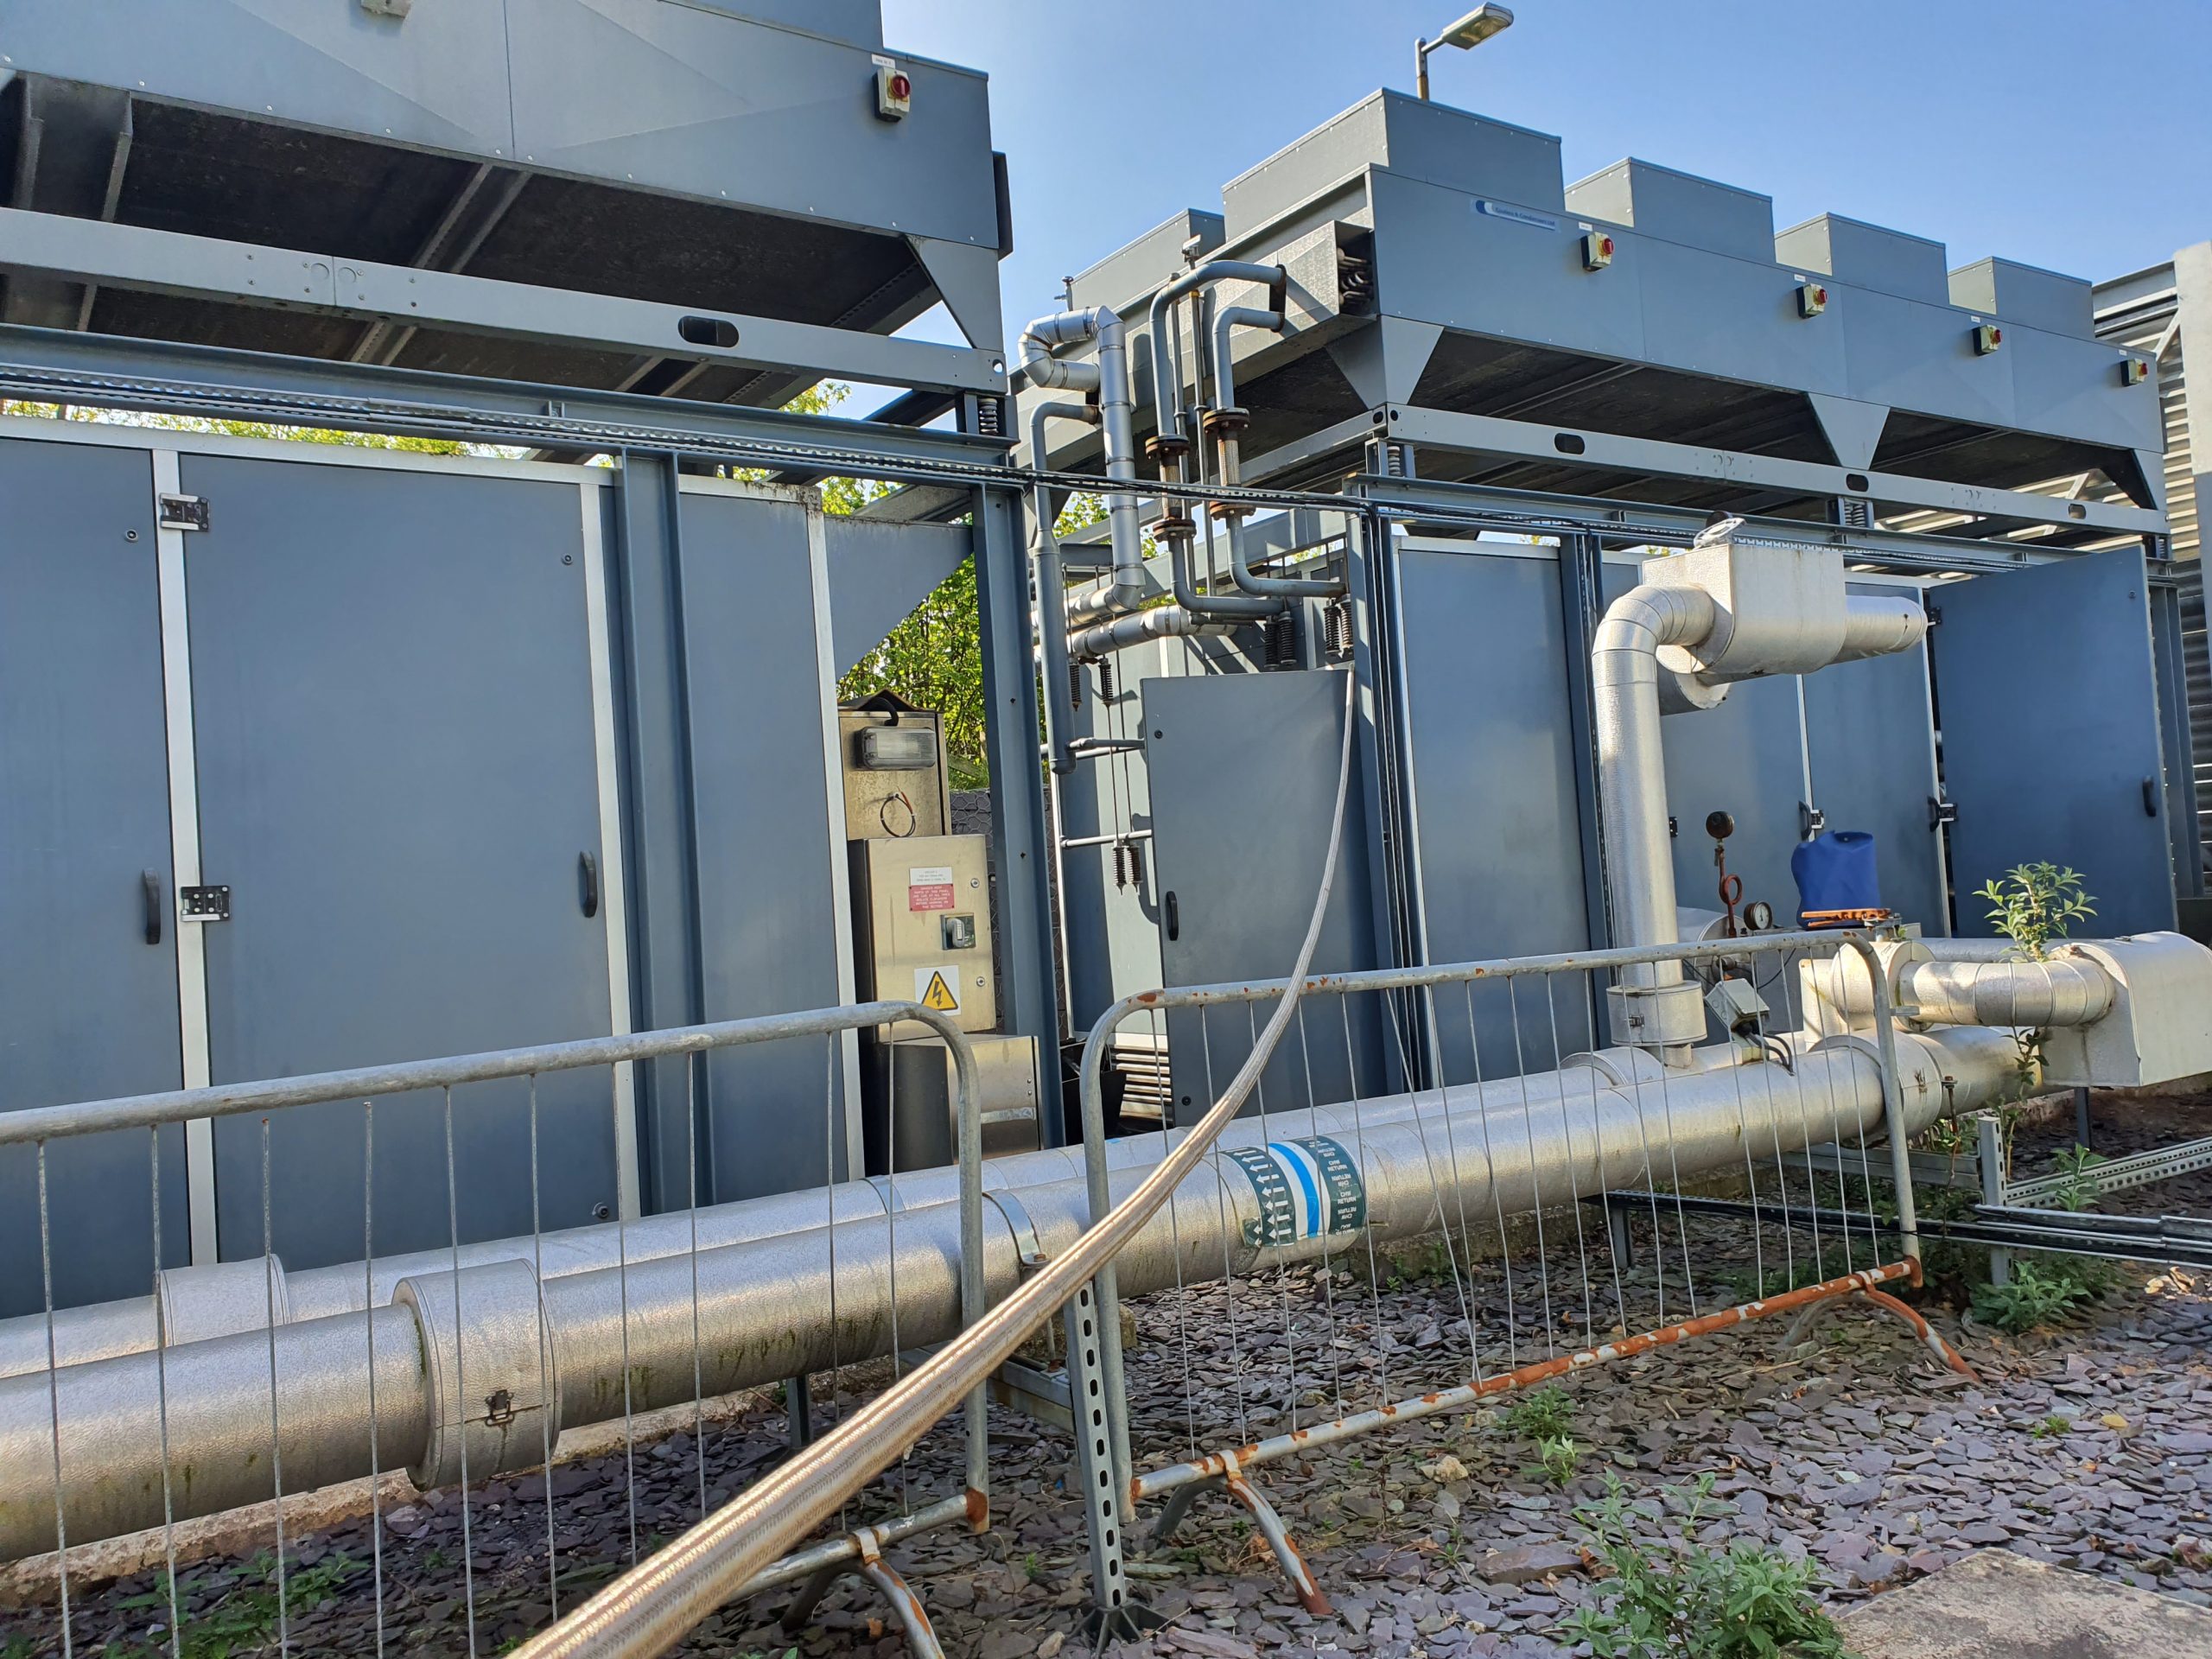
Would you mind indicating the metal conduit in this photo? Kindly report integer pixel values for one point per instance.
(234, 1296)
(762, 1303)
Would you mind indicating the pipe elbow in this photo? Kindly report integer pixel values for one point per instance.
(1624, 649)
(1041, 339)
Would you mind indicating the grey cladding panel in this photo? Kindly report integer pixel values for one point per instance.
(1658, 201)
(88, 1009)
(1493, 782)
(438, 78)
(2025, 293)
(1141, 266)
(1243, 780)
(1868, 255)
(1424, 140)
(2051, 750)
(769, 945)
(879, 572)
(393, 721)
(681, 98)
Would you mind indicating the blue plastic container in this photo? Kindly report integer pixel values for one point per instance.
(1836, 872)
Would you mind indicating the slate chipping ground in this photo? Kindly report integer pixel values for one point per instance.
(2090, 1445)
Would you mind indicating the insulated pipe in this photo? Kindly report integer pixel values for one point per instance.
(1108, 377)
(1211, 606)
(1229, 419)
(1166, 389)
(2064, 991)
(1052, 585)
(1631, 775)
(1878, 625)
(232, 1297)
(629, 1339)
(1104, 639)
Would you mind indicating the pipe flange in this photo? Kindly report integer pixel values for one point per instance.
(1173, 527)
(1228, 511)
(221, 1299)
(490, 1369)
(1658, 1016)
(1215, 422)
(1160, 447)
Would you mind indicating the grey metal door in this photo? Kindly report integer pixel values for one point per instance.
(2049, 713)
(1870, 735)
(88, 992)
(1745, 758)
(1243, 769)
(1499, 836)
(756, 655)
(393, 720)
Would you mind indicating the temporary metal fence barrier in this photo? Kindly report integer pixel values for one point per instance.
(456, 1377)
(1493, 1142)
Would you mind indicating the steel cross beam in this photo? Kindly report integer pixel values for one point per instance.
(204, 267)
(1526, 440)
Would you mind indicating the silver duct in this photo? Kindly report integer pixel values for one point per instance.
(1109, 379)
(537, 1357)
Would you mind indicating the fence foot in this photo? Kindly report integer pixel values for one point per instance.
(1882, 1301)
(1277, 1536)
(905, 1606)
(1130, 1622)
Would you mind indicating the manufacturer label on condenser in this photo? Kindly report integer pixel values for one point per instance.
(930, 887)
(1307, 1188)
(1507, 210)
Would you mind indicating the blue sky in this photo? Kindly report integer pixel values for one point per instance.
(2073, 136)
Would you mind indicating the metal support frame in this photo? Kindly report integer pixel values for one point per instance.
(1490, 437)
(203, 267)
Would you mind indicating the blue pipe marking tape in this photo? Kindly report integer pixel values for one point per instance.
(1307, 1188)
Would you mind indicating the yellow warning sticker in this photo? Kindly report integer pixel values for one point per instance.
(933, 989)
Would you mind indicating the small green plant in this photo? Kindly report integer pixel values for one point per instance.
(1541, 1414)
(1031, 1567)
(2036, 1296)
(1558, 1458)
(2079, 1190)
(2051, 1425)
(1680, 1601)
(2034, 904)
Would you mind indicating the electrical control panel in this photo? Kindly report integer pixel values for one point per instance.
(922, 921)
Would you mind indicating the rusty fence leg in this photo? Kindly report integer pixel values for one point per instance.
(1179, 1505)
(1882, 1301)
(1277, 1536)
(905, 1605)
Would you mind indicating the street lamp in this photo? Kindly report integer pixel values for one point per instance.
(1471, 30)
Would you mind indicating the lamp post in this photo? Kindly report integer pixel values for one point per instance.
(1470, 31)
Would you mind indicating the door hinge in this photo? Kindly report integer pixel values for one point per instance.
(1811, 821)
(203, 904)
(1940, 812)
(184, 513)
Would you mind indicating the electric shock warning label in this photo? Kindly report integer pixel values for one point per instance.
(1306, 1188)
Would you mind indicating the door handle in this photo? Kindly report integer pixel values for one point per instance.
(588, 880)
(1175, 913)
(150, 887)
(2151, 798)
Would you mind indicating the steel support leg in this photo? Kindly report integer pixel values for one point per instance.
(1989, 1150)
(798, 1412)
(1115, 1613)
(1882, 1302)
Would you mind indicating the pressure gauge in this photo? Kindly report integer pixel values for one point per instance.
(1758, 916)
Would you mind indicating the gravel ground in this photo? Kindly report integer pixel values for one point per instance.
(2086, 1445)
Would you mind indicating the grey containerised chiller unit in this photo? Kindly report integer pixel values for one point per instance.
(465, 752)
(1611, 360)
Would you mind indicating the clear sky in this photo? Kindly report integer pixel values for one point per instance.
(2071, 134)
